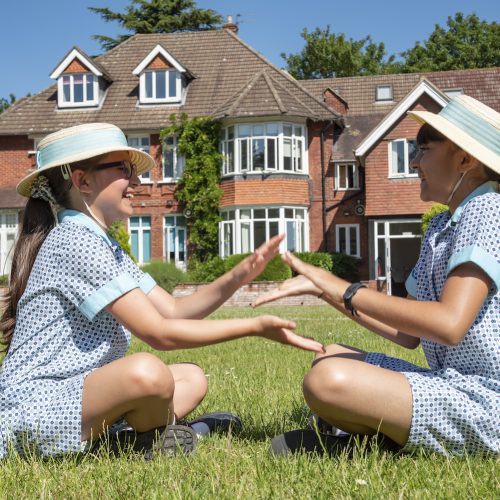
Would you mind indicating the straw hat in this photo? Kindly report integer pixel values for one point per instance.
(82, 142)
(471, 125)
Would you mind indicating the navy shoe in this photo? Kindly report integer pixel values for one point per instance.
(218, 422)
(323, 427)
(307, 441)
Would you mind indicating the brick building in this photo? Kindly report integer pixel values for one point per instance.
(324, 161)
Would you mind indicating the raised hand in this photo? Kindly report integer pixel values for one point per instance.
(254, 264)
(300, 285)
(280, 330)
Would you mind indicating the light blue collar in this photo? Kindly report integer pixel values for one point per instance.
(487, 187)
(84, 220)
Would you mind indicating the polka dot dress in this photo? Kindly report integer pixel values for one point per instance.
(456, 403)
(62, 333)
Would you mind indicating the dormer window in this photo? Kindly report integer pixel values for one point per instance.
(160, 85)
(383, 93)
(81, 81)
(79, 89)
(160, 78)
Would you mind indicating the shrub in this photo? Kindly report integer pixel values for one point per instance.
(276, 269)
(345, 266)
(119, 232)
(207, 271)
(318, 259)
(166, 274)
(427, 216)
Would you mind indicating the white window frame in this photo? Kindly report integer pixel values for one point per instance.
(175, 229)
(384, 99)
(408, 171)
(346, 179)
(298, 144)
(150, 100)
(71, 103)
(146, 177)
(140, 234)
(348, 228)
(178, 161)
(9, 227)
(301, 226)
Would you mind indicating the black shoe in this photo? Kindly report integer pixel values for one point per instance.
(219, 422)
(169, 441)
(316, 423)
(308, 441)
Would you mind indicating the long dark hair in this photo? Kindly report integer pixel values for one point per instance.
(38, 221)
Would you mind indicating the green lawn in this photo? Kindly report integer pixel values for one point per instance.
(261, 381)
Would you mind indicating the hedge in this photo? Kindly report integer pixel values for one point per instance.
(166, 274)
(276, 269)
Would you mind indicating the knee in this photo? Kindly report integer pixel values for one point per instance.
(197, 379)
(149, 376)
(327, 383)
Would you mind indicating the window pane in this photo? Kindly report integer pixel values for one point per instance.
(412, 152)
(384, 93)
(245, 237)
(380, 264)
(352, 241)
(298, 155)
(298, 131)
(290, 236)
(244, 154)
(342, 244)
(90, 87)
(245, 214)
(181, 220)
(274, 213)
(342, 176)
(398, 160)
(272, 129)
(258, 154)
(134, 240)
(259, 233)
(227, 234)
(273, 229)
(172, 83)
(287, 130)
(299, 213)
(404, 228)
(168, 157)
(244, 130)
(181, 237)
(271, 153)
(66, 88)
(288, 213)
(78, 88)
(259, 213)
(351, 178)
(161, 82)
(287, 154)
(171, 244)
(230, 132)
(301, 236)
(258, 130)
(169, 220)
(146, 246)
(230, 157)
(134, 221)
(149, 84)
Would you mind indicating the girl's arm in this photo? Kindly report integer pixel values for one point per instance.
(135, 311)
(445, 321)
(300, 285)
(209, 298)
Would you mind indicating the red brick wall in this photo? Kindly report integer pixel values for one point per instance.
(334, 101)
(15, 162)
(386, 197)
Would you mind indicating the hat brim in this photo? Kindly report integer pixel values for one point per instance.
(142, 160)
(456, 135)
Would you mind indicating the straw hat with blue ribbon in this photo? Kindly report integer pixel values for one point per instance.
(82, 142)
(471, 125)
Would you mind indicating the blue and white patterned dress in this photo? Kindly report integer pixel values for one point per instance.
(456, 403)
(62, 333)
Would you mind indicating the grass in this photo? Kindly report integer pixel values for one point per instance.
(261, 381)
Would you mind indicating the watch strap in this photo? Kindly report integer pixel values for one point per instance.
(349, 294)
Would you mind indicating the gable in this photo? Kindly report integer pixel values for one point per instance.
(158, 56)
(76, 67)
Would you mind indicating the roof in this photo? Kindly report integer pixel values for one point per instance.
(221, 62)
(359, 91)
(78, 53)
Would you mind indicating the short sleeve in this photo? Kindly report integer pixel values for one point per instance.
(90, 276)
(477, 236)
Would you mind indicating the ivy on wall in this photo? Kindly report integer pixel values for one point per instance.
(198, 189)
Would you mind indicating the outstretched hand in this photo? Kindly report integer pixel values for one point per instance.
(281, 330)
(300, 285)
(249, 268)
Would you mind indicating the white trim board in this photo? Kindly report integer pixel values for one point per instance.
(157, 50)
(74, 54)
(423, 87)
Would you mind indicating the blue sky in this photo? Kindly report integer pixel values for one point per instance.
(35, 35)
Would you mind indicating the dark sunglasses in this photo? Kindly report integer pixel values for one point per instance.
(127, 167)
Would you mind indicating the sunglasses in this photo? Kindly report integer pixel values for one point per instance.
(127, 167)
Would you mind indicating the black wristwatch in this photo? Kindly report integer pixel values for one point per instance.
(349, 294)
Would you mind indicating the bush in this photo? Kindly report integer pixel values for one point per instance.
(345, 266)
(318, 259)
(119, 232)
(276, 269)
(166, 274)
(427, 216)
(205, 272)
(4, 280)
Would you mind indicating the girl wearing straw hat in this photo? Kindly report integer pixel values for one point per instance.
(452, 310)
(75, 296)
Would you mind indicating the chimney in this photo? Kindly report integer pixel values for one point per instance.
(230, 25)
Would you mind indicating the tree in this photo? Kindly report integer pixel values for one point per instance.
(328, 55)
(5, 103)
(467, 42)
(157, 16)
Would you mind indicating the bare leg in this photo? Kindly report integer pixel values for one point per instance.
(190, 387)
(139, 387)
(359, 397)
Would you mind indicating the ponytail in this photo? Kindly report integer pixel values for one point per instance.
(39, 219)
